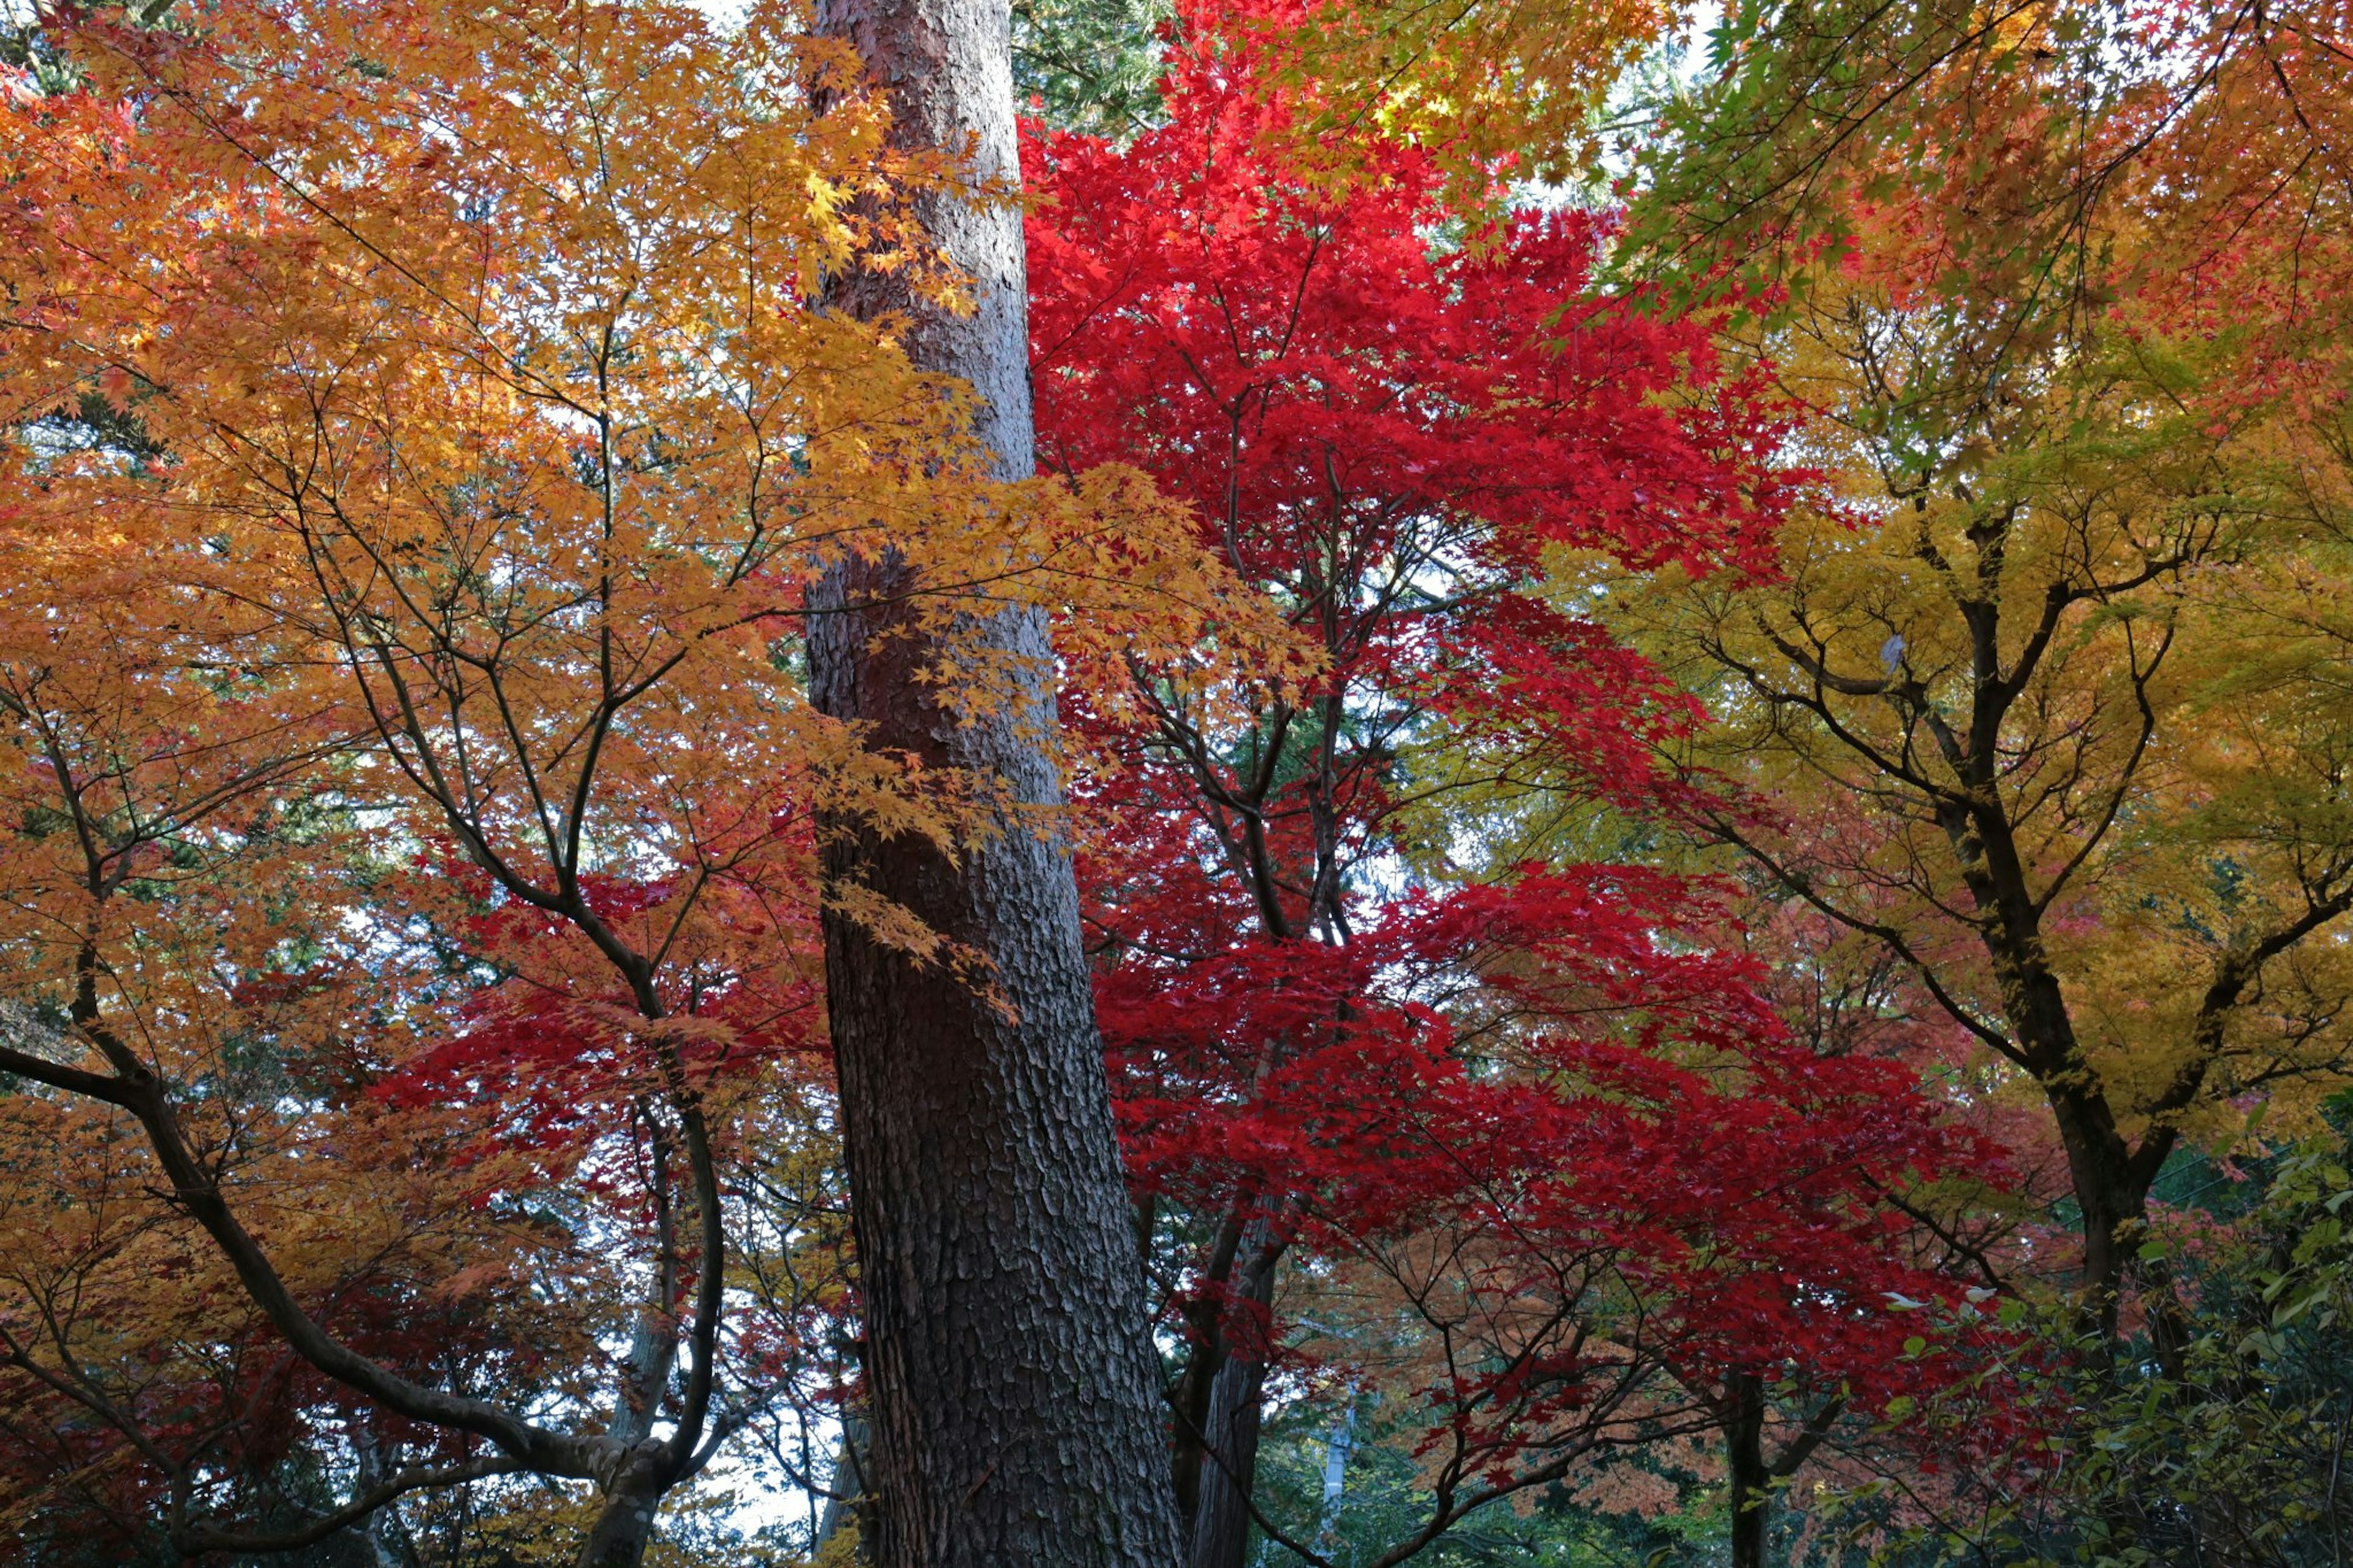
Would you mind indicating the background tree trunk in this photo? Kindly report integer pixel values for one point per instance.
(1010, 1384)
(847, 1498)
(1221, 1521)
(1337, 1449)
(1227, 1474)
(1752, 1482)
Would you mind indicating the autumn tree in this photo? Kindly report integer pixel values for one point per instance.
(1377, 1066)
(428, 432)
(2043, 703)
(1498, 807)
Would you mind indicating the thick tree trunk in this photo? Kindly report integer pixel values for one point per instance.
(622, 1532)
(1009, 1372)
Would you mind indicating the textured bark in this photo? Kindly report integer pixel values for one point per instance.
(1008, 1367)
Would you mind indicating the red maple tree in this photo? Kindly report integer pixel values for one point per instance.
(1372, 998)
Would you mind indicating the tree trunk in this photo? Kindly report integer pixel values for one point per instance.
(846, 1488)
(1213, 1392)
(625, 1525)
(1223, 1452)
(1752, 1481)
(1221, 1520)
(1009, 1371)
(2101, 1168)
(2112, 1198)
(2107, 1190)
(1337, 1449)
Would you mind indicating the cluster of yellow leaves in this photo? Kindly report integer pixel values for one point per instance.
(1482, 84)
(510, 394)
(2097, 596)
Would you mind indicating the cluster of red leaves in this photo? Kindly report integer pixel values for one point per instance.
(547, 1070)
(558, 1044)
(1181, 283)
(1608, 1101)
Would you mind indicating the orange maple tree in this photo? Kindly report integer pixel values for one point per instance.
(428, 435)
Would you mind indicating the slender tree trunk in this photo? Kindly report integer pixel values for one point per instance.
(626, 1526)
(2111, 1193)
(1229, 1465)
(2113, 1200)
(848, 1485)
(1337, 1449)
(1752, 1481)
(1214, 1396)
(1009, 1372)
(1222, 1524)
(2108, 1189)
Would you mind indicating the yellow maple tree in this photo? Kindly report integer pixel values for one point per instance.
(2047, 702)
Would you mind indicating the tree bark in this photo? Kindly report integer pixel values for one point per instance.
(1010, 1383)
(625, 1525)
(847, 1496)
(1752, 1481)
(1230, 1428)
(1221, 1521)
(1210, 1396)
